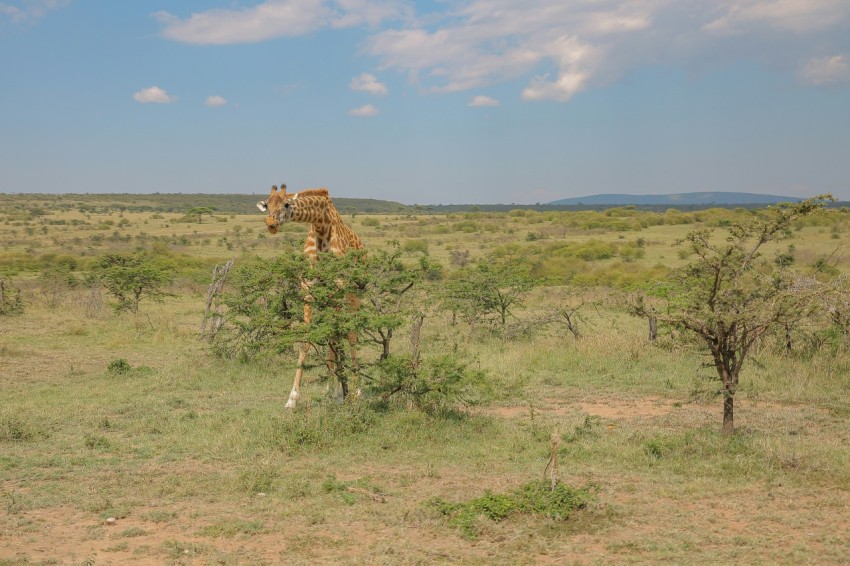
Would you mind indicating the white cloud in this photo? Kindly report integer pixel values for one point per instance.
(558, 48)
(482, 101)
(364, 111)
(13, 13)
(794, 15)
(277, 18)
(371, 13)
(368, 83)
(30, 10)
(569, 47)
(154, 94)
(215, 101)
(495, 40)
(826, 71)
(561, 89)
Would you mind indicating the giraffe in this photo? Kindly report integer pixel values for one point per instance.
(327, 233)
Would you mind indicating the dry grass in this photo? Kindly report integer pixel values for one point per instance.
(197, 461)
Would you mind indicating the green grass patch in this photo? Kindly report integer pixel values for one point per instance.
(534, 498)
(18, 426)
(233, 527)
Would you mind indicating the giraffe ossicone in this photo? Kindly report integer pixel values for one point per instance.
(327, 233)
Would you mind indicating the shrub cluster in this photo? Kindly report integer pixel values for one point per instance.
(534, 498)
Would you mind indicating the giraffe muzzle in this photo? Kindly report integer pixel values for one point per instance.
(272, 224)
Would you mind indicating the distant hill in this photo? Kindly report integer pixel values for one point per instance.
(245, 203)
(685, 199)
(181, 202)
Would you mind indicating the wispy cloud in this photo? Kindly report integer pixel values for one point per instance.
(154, 95)
(371, 13)
(364, 111)
(215, 101)
(482, 101)
(277, 18)
(368, 83)
(795, 15)
(30, 10)
(246, 25)
(826, 71)
(582, 45)
(557, 48)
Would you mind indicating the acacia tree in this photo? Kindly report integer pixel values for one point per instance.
(489, 290)
(389, 291)
(368, 295)
(132, 277)
(728, 299)
(199, 211)
(262, 300)
(570, 312)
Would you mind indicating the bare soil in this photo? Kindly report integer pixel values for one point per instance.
(633, 520)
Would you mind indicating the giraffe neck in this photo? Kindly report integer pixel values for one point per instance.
(314, 210)
(320, 213)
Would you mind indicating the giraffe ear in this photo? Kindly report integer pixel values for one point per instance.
(263, 206)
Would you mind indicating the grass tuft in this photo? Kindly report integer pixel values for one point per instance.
(233, 527)
(534, 498)
(119, 366)
(17, 427)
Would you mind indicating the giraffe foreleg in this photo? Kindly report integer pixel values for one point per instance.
(302, 357)
(295, 394)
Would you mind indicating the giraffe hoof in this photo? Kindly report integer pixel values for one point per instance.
(293, 399)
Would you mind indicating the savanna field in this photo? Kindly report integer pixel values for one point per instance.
(539, 426)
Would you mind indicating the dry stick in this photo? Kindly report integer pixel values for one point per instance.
(415, 333)
(379, 497)
(219, 275)
(94, 302)
(552, 466)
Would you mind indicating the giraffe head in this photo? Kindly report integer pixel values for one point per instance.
(311, 205)
(277, 208)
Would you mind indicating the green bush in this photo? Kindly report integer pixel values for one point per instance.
(488, 291)
(130, 278)
(415, 246)
(10, 299)
(534, 498)
(433, 385)
(17, 427)
(119, 366)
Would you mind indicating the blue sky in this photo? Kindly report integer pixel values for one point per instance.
(483, 101)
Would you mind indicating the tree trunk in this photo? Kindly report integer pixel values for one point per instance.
(385, 344)
(572, 325)
(729, 379)
(653, 328)
(415, 334)
(728, 414)
(337, 366)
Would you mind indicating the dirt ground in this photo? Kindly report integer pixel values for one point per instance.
(632, 521)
